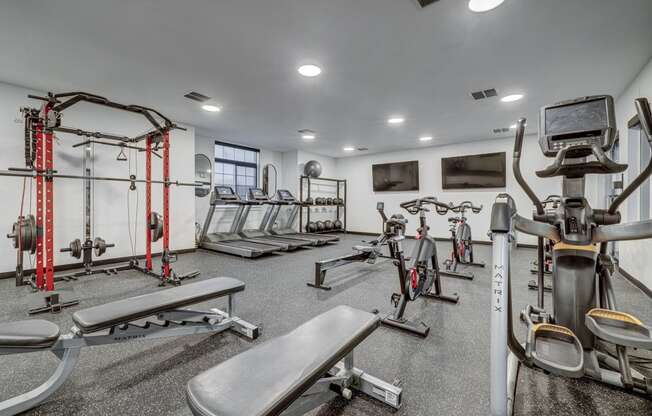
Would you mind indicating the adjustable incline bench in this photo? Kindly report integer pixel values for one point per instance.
(294, 373)
(150, 316)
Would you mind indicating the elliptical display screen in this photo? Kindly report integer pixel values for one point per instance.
(587, 116)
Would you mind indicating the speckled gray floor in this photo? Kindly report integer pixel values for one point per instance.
(445, 374)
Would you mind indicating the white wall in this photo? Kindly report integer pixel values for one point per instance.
(111, 198)
(361, 204)
(634, 255)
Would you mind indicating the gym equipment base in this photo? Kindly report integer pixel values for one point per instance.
(417, 328)
(455, 274)
(53, 304)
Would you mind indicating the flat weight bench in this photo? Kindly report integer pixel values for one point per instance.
(294, 373)
(150, 316)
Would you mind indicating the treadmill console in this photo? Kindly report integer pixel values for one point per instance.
(224, 193)
(284, 195)
(577, 125)
(257, 194)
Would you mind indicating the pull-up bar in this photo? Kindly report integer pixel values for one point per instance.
(30, 173)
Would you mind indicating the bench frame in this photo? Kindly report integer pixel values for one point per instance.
(339, 381)
(172, 323)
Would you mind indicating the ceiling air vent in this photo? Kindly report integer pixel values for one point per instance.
(193, 95)
(481, 95)
(501, 130)
(424, 3)
(362, 149)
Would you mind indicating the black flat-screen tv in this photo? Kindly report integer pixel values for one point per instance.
(395, 177)
(474, 171)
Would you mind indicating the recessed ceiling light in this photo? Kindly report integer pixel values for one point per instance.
(308, 136)
(211, 108)
(480, 6)
(395, 120)
(513, 126)
(309, 70)
(511, 98)
(425, 138)
(348, 148)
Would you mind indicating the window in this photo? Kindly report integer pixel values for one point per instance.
(236, 166)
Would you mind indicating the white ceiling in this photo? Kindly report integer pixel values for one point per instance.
(380, 57)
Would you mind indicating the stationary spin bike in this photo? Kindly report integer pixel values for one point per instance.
(462, 240)
(585, 335)
(551, 203)
(420, 276)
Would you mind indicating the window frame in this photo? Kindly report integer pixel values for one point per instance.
(238, 163)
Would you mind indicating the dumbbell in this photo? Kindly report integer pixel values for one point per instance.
(320, 201)
(75, 248)
(329, 201)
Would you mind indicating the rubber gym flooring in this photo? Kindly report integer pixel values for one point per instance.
(444, 374)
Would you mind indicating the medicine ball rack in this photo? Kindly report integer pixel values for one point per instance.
(36, 233)
(322, 192)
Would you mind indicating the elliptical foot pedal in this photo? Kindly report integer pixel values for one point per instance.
(556, 349)
(619, 328)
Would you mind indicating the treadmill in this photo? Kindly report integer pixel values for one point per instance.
(257, 198)
(283, 198)
(230, 242)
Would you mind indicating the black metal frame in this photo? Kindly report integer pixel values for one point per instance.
(340, 208)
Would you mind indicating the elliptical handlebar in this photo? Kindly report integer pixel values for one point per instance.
(516, 165)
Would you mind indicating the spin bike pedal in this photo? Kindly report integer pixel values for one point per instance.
(395, 299)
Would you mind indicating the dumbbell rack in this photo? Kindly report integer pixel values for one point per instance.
(311, 188)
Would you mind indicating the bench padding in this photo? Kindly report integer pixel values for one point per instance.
(268, 378)
(123, 311)
(35, 333)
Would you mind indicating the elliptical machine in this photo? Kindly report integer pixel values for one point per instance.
(462, 240)
(571, 341)
(420, 275)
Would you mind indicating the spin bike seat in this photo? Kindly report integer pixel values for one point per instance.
(619, 328)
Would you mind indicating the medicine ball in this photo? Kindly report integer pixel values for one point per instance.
(311, 227)
(312, 169)
(321, 226)
(328, 225)
(338, 224)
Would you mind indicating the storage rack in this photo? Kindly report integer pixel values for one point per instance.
(310, 187)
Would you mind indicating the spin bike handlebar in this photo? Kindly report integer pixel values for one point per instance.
(416, 205)
(463, 206)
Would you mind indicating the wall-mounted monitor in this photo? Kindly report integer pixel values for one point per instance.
(396, 177)
(474, 171)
